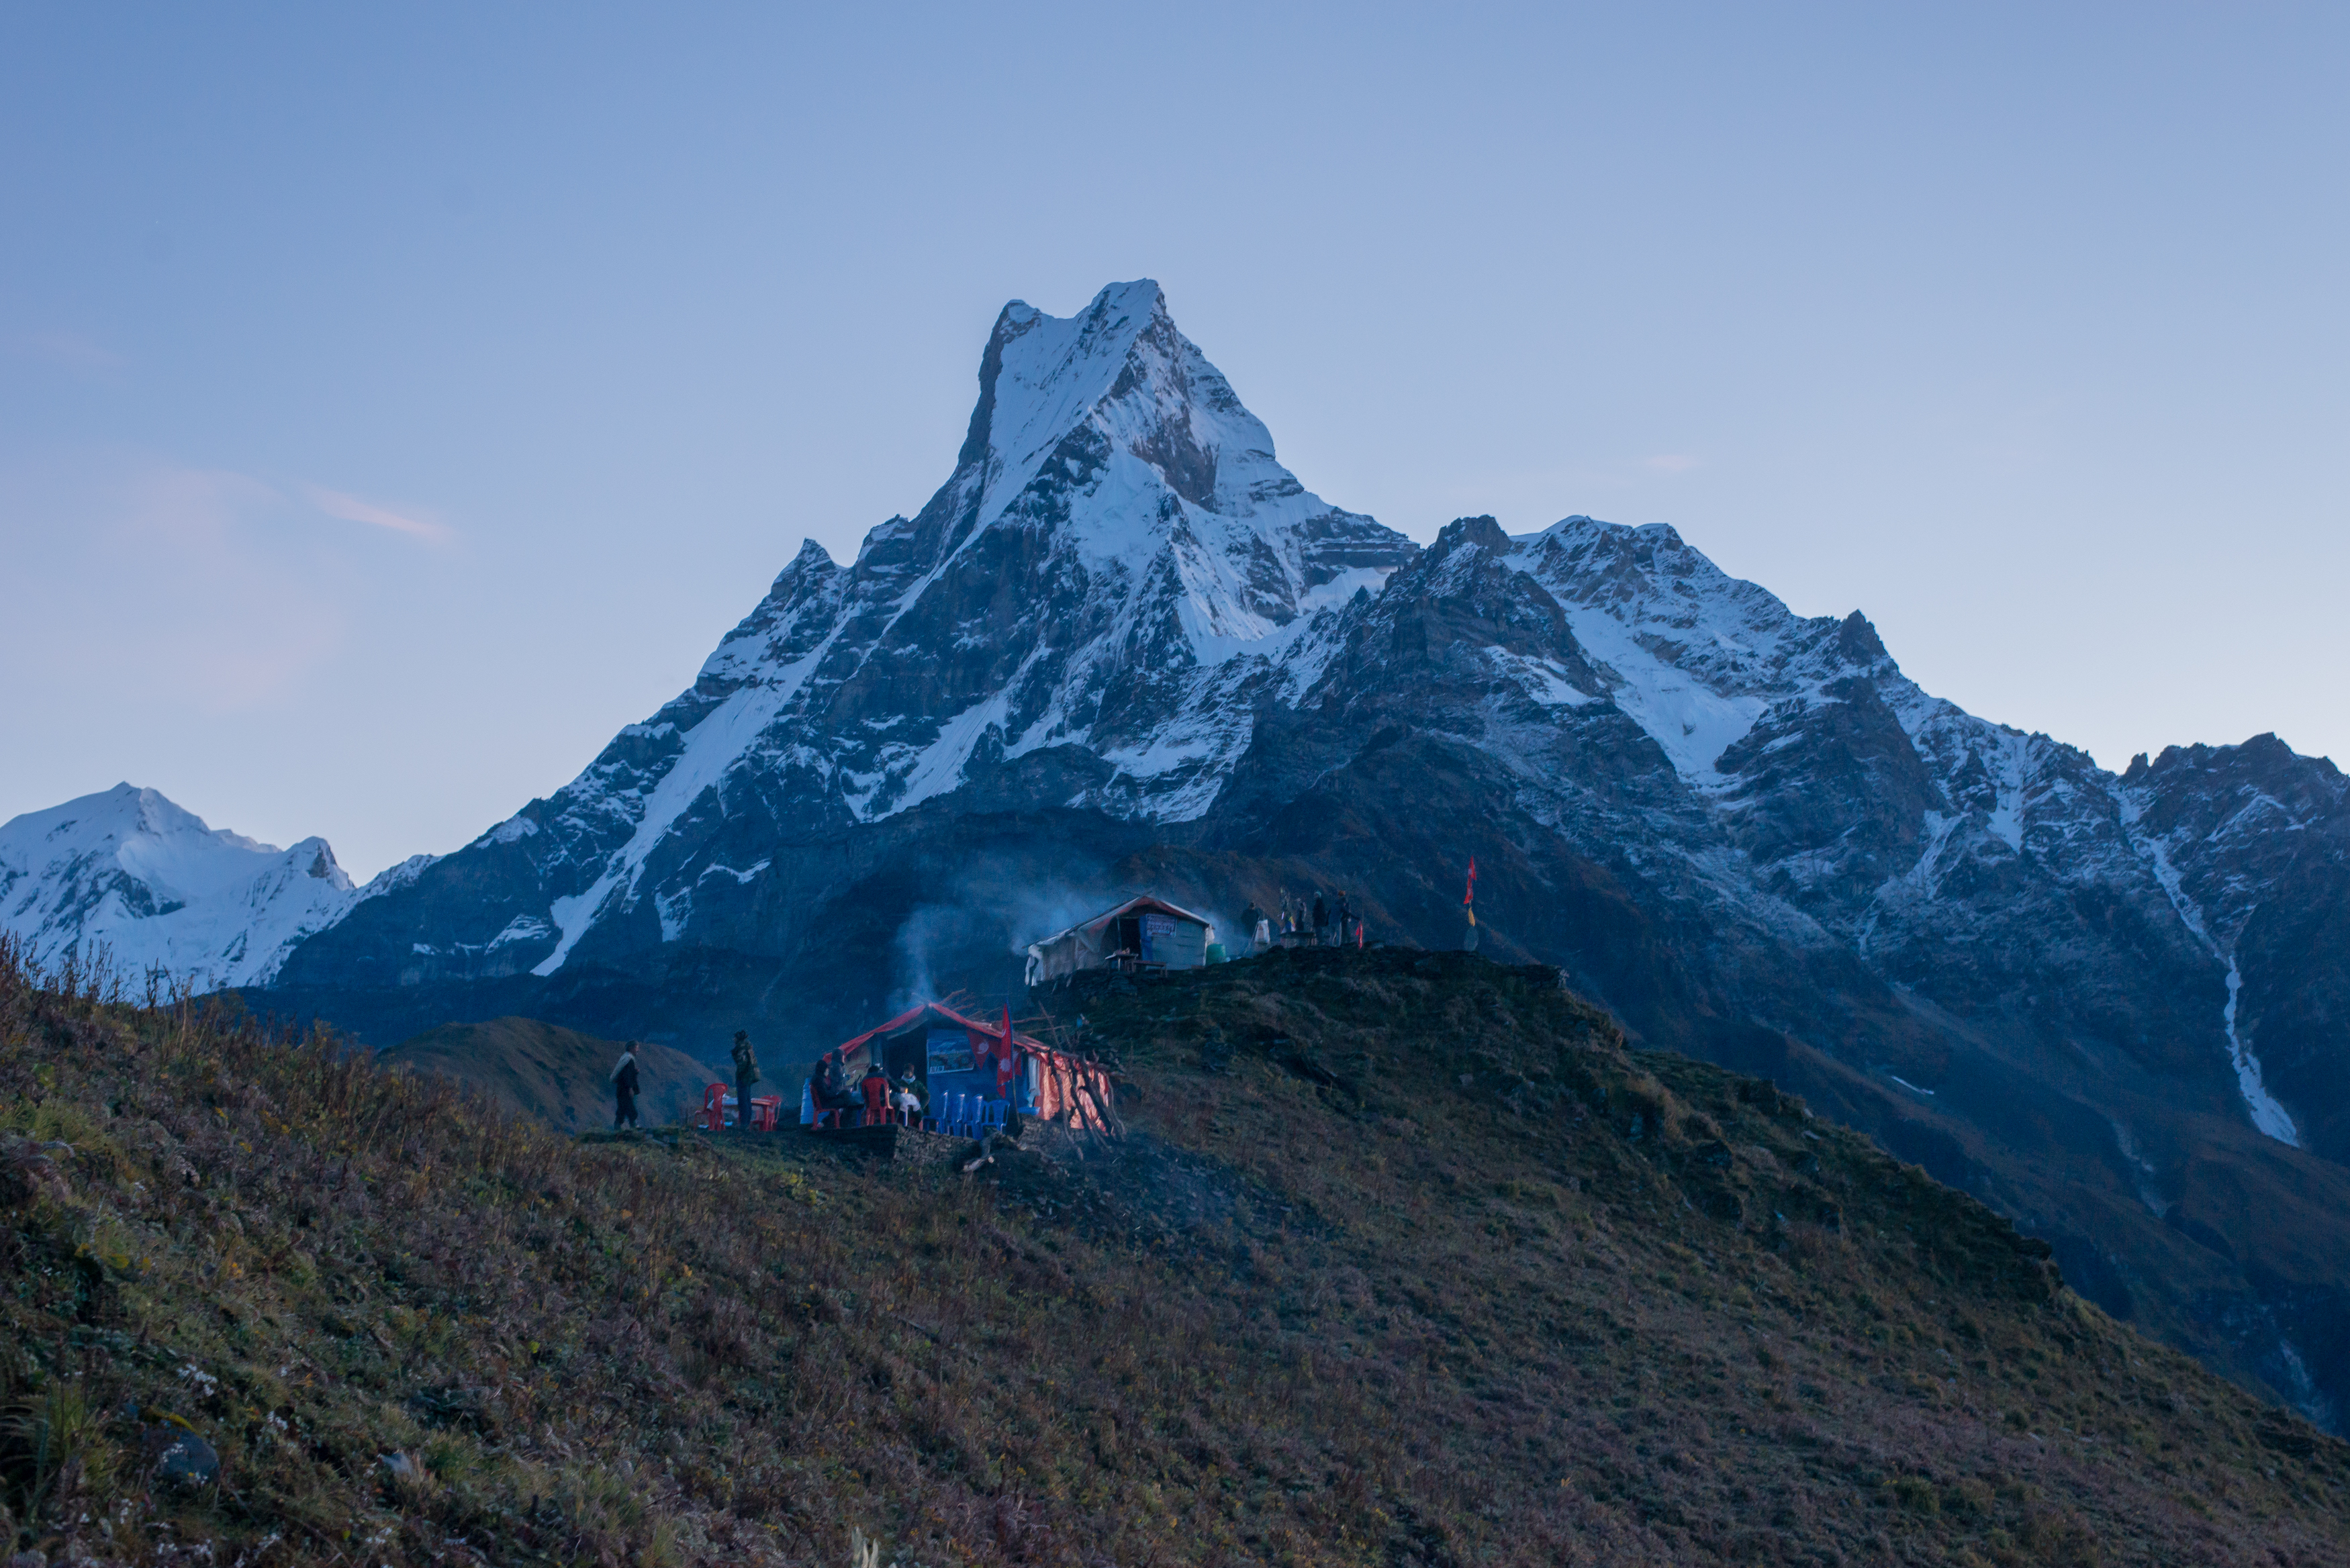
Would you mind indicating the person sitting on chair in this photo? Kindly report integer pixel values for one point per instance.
(908, 1099)
(832, 1092)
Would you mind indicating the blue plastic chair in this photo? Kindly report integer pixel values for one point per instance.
(991, 1114)
(957, 1113)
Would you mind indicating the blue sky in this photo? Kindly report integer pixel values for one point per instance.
(393, 403)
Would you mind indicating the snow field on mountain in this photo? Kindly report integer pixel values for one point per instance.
(1683, 638)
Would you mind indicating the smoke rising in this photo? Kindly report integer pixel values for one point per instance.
(977, 938)
(975, 935)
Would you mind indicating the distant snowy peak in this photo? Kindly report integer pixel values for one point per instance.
(1764, 715)
(1044, 378)
(127, 872)
(1749, 702)
(1695, 656)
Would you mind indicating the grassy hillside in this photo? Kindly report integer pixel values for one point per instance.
(554, 1075)
(1400, 1259)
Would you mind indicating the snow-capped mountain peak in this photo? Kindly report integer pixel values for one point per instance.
(128, 871)
(1043, 377)
(1117, 564)
(1695, 655)
(1111, 435)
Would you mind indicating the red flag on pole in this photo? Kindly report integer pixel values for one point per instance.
(1469, 898)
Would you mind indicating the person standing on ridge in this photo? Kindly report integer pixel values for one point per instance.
(1346, 920)
(1251, 918)
(1321, 921)
(625, 1085)
(746, 1072)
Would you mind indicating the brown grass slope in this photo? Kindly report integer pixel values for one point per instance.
(554, 1075)
(1401, 1259)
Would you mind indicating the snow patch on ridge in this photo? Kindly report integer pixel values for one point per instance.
(712, 749)
(1542, 680)
(2006, 819)
(1693, 722)
(939, 767)
(2267, 1114)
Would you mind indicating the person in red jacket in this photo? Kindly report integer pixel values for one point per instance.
(875, 1088)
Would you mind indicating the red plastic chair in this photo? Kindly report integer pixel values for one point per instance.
(713, 1108)
(767, 1112)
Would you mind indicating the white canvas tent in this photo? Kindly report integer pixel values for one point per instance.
(1141, 932)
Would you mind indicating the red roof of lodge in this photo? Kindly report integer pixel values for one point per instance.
(992, 1031)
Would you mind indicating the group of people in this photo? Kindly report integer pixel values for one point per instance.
(831, 1092)
(627, 1083)
(1301, 923)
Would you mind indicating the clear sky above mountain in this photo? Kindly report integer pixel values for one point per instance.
(393, 405)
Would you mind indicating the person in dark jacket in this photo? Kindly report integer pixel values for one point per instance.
(1345, 920)
(907, 1099)
(831, 1089)
(1321, 920)
(625, 1088)
(1250, 917)
(746, 1072)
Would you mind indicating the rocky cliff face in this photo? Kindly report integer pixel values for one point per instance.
(2253, 844)
(1122, 648)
